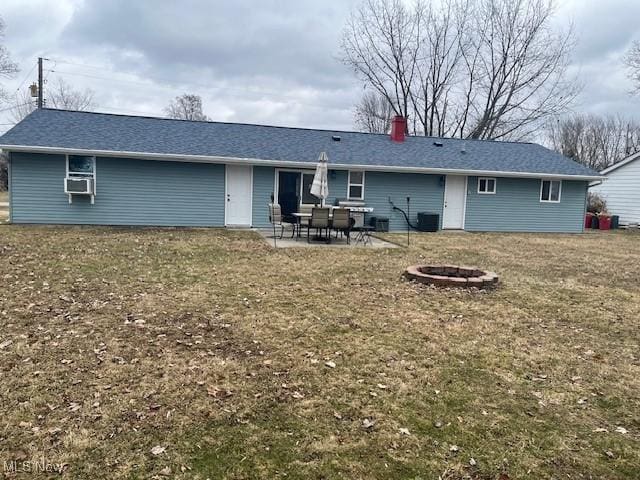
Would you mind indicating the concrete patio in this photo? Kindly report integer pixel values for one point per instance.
(341, 242)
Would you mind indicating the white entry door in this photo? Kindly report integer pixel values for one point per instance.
(455, 198)
(239, 188)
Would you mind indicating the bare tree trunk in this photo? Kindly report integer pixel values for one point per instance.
(490, 69)
(380, 43)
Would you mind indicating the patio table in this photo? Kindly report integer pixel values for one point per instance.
(301, 215)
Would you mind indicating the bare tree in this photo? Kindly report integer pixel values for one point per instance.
(58, 95)
(632, 60)
(380, 43)
(521, 75)
(8, 68)
(373, 113)
(4, 178)
(187, 107)
(595, 141)
(491, 69)
(439, 61)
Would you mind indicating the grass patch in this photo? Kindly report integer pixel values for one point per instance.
(214, 346)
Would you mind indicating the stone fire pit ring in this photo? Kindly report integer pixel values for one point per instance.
(452, 276)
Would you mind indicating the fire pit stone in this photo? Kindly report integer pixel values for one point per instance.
(451, 276)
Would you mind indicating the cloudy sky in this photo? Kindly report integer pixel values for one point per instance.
(264, 61)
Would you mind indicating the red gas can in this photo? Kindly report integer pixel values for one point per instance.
(587, 220)
(605, 222)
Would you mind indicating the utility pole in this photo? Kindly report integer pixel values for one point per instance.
(40, 83)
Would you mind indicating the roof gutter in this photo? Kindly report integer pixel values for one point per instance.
(283, 163)
(621, 163)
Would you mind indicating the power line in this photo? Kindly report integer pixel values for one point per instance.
(242, 92)
(25, 77)
(51, 70)
(80, 65)
(14, 106)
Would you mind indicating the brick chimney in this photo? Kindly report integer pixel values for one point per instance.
(398, 128)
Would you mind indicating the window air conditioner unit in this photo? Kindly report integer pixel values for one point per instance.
(78, 186)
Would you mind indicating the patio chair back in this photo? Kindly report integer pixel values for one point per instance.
(341, 219)
(305, 209)
(319, 218)
(275, 214)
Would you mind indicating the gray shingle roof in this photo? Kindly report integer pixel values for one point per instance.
(100, 131)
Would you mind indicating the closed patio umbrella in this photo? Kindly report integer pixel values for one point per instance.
(320, 185)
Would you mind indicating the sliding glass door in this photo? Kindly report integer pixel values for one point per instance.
(294, 189)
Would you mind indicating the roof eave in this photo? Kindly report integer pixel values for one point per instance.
(285, 163)
(621, 163)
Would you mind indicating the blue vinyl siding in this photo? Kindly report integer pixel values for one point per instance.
(516, 207)
(338, 185)
(157, 193)
(263, 184)
(129, 192)
(426, 193)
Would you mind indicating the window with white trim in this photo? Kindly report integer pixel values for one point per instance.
(81, 176)
(355, 190)
(486, 185)
(550, 191)
(81, 166)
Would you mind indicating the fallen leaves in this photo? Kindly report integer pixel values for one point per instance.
(368, 423)
(158, 450)
(401, 369)
(216, 392)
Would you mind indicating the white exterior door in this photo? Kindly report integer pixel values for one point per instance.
(455, 198)
(239, 188)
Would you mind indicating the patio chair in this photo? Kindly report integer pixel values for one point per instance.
(304, 222)
(342, 222)
(275, 218)
(319, 220)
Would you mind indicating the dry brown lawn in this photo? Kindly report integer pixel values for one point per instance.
(235, 360)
